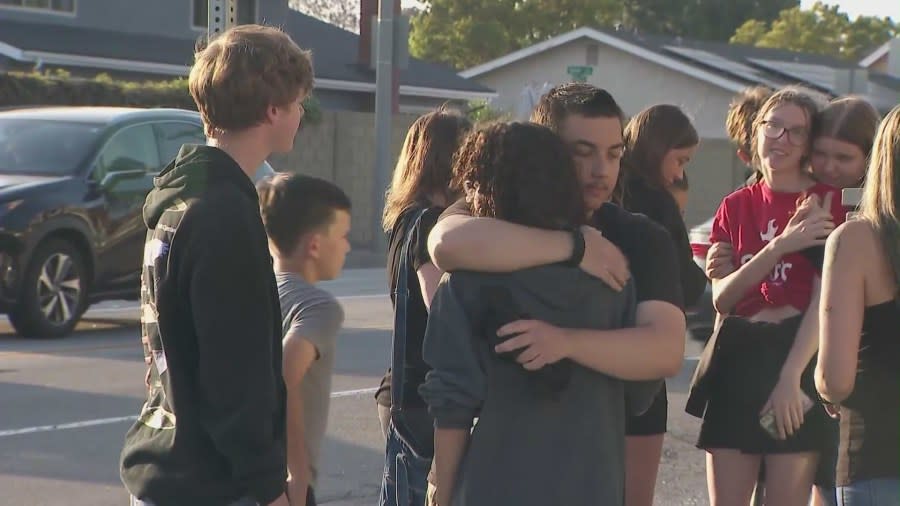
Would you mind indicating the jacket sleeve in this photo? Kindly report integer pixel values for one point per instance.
(455, 388)
(238, 402)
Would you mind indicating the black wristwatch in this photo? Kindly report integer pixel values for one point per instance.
(577, 248)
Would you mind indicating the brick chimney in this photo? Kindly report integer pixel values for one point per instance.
(367, 9)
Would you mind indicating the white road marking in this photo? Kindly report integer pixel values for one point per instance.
(353, 393)
(119, 419)
(126, 310)
(64, 426)
(358, 297)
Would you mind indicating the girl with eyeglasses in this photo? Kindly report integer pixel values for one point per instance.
(753, 386)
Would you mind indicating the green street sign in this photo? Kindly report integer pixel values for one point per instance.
(580, 73)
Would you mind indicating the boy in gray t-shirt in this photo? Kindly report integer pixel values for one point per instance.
(307, 221)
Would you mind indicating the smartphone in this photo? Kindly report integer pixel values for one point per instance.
(767, 420)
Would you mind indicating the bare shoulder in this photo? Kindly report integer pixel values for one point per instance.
(853, 240)
(855, 230)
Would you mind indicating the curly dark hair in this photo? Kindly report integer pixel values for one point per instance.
(521, 173)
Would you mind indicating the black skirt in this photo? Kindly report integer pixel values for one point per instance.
(735, 376)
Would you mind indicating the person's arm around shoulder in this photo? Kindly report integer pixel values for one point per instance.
(461, 242)
(652, 349)
(237, 384)
(842, 307)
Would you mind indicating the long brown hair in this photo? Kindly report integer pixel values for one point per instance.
(649, 136)
(425, 162)
(881, 193)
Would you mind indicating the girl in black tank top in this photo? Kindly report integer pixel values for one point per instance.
(858, 373)
(870, 416)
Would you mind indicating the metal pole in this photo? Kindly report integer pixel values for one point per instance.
(220, 16)
(384, 76)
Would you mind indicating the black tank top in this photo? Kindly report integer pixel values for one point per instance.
(870, 416)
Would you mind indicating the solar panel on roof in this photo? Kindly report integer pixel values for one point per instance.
(816, 75)
(732, 67)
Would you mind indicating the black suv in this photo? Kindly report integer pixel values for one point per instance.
(72, 185)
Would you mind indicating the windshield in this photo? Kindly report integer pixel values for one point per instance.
(44, 147)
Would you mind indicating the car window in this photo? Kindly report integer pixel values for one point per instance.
(44, 146)
(132, 148)
(172, 134)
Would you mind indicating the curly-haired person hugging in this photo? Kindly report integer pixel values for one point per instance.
(539, 414)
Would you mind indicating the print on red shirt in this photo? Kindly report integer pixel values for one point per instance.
(752, 217)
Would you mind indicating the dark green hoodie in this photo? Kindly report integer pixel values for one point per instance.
(212, 429)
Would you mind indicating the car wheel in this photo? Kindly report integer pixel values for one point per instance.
(54, 291)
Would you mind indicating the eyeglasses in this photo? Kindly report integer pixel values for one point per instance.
(796, 136)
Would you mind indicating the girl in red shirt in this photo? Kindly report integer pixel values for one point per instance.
(759, 402)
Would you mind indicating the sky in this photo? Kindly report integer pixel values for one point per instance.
(854, 8)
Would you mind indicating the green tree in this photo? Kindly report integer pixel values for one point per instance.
(822, 29)
(464, 33)
(717, 20)
(750, 32)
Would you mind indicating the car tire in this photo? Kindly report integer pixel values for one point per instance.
(53, 291)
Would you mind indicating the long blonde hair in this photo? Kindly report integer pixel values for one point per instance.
(425, 162)
(881, 193)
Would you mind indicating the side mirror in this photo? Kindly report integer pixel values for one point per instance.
(113, 179)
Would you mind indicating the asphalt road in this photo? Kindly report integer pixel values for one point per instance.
(66, 404)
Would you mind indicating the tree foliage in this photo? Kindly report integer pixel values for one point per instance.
(58, 87)
(822, 29)
(699, 19)
(464, 33)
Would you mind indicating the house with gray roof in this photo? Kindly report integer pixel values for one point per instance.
(155, 40)
(701, 77)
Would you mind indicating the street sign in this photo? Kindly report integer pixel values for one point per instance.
(579, 73)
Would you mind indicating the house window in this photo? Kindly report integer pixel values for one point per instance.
(245, 10)
(63, 6)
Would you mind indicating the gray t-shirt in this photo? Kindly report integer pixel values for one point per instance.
(317, 316)
(530, 448)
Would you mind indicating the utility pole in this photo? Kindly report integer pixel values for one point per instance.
(220, 15)
(389, 48)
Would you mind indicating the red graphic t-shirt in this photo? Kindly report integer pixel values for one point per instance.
(751, 217)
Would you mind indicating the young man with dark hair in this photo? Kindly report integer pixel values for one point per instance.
(590, 123)
(545, 434)
(307, 221)
(211, 432)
